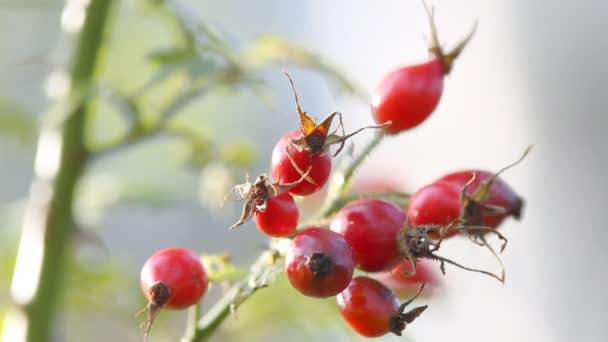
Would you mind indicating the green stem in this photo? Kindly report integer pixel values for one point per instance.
(261, 275)
(60, 162)
(194, 313)
(349, 171)
(340, 181)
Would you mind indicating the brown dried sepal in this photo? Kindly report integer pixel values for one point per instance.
(160, 295)
(317, 137)
(414, 242)
(446, 58)
(400, 319)
(473, 207)
(257, 193)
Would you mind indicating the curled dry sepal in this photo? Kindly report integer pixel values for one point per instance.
(317, 138)
(415, 242)
(257, 193)
(399, 321)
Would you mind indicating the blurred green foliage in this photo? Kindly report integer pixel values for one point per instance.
(16, 123)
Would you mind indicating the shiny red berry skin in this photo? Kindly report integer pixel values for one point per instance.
(435, 204)
(280, 218)
(408, 95)
(319, 263)
(407, 285)
(181, 271)
(284, 172)
(370, 226)
(500, 194)
(367, 306)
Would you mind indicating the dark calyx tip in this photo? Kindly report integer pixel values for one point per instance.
(159, 293)
(518, 207)
(398, 321)
(320, 264)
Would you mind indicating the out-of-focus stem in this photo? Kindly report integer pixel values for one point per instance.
(61, 159)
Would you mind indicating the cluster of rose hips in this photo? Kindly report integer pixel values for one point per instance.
(368, 234)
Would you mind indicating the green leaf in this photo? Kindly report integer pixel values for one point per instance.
(17, 123)
(269, 50)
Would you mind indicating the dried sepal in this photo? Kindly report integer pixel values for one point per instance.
(414, 242)
(160, 294)
(400, 319)
(473, 208)
(317, 137)
(446, 58)
(257, 193)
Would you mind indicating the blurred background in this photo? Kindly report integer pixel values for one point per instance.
(533, 74)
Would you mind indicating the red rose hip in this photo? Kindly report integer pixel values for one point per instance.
(435, 204)
(408, 95)
(371, 226)
(500, 194)
(280, 217)
(319, 263)
(284, 171)
(173, 278)
(372, 310)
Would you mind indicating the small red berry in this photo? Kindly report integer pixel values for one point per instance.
(283, 169)
(435, 204)
(404, 285)
(500, 195)
(173, 278)
(319, 263)
(280, 218)
(371, 226)
(275, 210)
(372, 310)
(408, 95)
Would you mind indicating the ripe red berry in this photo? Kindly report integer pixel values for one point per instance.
(280, 218)
(371, 226)
(500, 194)
(404, 285)
(408, 95)
(173, 278)
(283, 169)
(372, 310)
(319, 263)
(435, 204)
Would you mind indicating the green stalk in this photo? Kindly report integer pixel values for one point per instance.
(60, 162)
